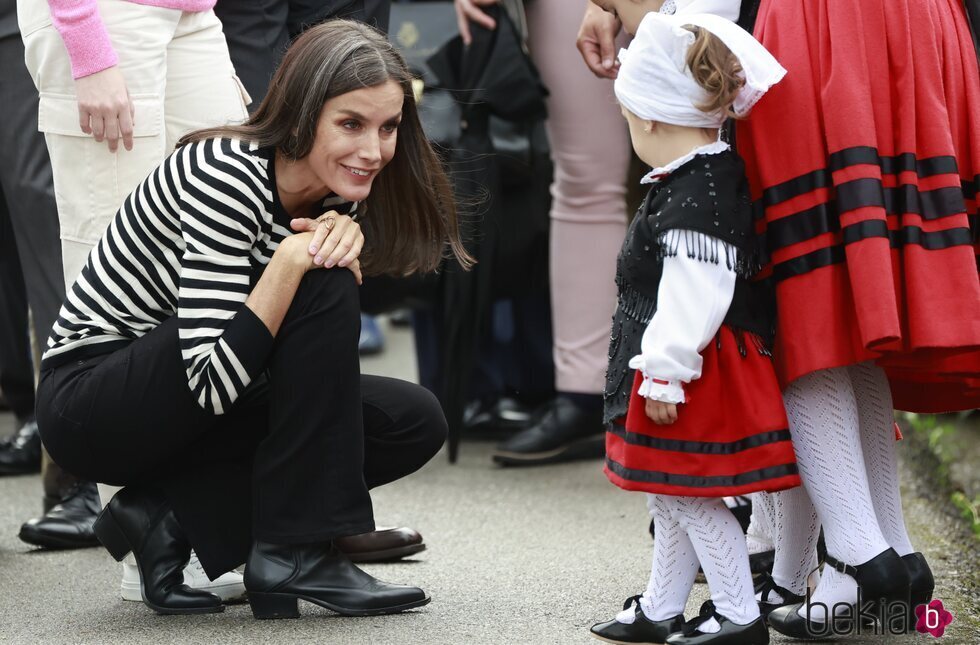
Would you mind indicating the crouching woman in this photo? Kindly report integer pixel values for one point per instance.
(206, 358)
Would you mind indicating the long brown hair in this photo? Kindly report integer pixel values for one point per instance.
(716, 69)
(410, 216)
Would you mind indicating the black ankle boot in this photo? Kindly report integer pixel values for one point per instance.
(277, 575)
(142, 521)
(754, 633)
(765, 585)
(882, 582)
(641, 630)
(922, 583)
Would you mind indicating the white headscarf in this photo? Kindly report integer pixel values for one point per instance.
(655, 83)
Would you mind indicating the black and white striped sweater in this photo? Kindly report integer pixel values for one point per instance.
(190, 241)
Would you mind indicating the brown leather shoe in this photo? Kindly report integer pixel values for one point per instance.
(382, 544)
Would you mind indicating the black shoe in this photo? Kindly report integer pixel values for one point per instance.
(755, 633)
(641, 630)
(278, 575)
(563, 433)
(498, 419)
(20, 454)
(881, 581)
(765, 585)
(922, 584)
(742, 512)
(69, 524)
(141, 521)
(762, 562)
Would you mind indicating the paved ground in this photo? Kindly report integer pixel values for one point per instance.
(514, 556)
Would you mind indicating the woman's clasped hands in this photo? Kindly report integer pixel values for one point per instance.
(330, 240)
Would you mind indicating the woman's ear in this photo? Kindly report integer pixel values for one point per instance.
(649, 126)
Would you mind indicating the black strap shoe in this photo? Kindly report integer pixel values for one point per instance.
(278, 575)
(20, 454)
(755, 633)
(765, 585)
(882, 582)
(641, 630)
(141, 521)
(69, 524)
(563, 433)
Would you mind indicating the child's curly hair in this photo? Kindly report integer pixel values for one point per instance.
(716, 70)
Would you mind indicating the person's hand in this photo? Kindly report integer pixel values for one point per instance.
(467, 10)
(663, 414)
(104, 108)
(336, 240)
(596, 41)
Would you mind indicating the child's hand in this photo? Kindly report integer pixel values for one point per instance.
(663, 414)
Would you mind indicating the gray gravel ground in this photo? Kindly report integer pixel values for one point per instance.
(514, 556)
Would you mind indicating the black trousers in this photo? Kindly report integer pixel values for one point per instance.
(30, 246)
(259, 31)
(293, 459)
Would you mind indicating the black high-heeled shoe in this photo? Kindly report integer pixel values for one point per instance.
(922, 583)
(278, 575)
(883, 582)
(765, 585)
(142, 521)
(641, 631)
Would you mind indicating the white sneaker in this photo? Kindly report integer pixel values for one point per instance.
(229, 586)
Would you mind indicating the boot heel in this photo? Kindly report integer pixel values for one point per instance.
(111, 535)
(273, 605)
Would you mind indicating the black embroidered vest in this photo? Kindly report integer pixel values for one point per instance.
(706, 201)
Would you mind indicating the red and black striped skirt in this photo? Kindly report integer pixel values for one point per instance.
(731, 437)
(865, 166)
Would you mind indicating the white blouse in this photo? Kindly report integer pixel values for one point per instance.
(692, 301)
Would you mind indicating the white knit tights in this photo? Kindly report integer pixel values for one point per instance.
(830, 431)
(796, 530)
(759, 535)
(874, 400)
(689, 530)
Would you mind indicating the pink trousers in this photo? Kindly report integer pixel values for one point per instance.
(590, 148)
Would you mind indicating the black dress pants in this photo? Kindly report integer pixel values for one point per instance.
(259, 31)
(293, 459)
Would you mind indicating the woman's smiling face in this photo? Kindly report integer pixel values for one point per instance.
(355, 138)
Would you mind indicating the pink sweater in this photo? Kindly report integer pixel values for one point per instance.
(85, 36)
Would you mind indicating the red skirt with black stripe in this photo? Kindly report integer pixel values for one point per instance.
(865, 166)
(731, 436)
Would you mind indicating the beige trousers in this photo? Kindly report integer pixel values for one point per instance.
(591, 151)
(180, 78)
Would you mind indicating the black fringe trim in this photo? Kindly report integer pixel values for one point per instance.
(708, 248)
(745, 341)
(635, 305)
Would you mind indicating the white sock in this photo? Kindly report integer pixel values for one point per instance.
(874, 399)
(823, 421)
(674, 566)
(719, 543)
(797, 529)
(758, 537)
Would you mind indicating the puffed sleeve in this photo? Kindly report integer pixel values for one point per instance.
(692, 300)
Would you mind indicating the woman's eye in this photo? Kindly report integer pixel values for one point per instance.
(351, 124)
(388, 128)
